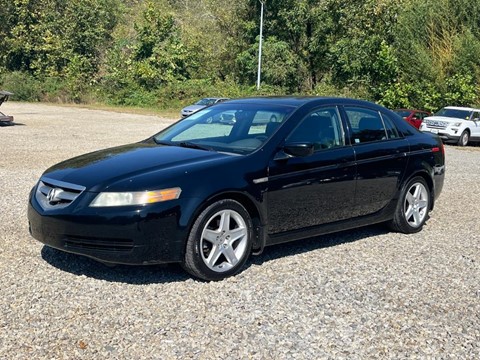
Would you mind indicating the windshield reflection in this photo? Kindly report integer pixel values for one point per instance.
(234, 128)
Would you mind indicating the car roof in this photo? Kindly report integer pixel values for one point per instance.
(461, 108)
(417, 110)
(298, 101)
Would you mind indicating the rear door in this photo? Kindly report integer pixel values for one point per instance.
(381, 156)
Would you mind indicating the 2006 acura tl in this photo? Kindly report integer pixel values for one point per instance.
(207, 193)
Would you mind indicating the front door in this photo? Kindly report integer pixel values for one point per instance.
(475, 130)
(315, 189)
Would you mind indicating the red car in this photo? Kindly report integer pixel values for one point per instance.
(414, 117)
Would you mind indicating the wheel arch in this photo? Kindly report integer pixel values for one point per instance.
(248, 203)
(466, 131)
(428, 179)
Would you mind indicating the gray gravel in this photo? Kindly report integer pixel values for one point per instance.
(355, 295)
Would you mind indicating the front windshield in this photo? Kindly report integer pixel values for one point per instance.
(205, 102)
(454, 113)
(234, 128)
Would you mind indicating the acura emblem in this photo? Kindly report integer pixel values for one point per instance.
(53, 194)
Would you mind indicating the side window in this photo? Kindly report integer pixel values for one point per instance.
(476, 116)
(392, 131)
(366, 125)
(322, 128)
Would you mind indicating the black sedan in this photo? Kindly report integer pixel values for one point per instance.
(207, 194)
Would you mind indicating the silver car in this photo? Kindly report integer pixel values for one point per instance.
(189, 110)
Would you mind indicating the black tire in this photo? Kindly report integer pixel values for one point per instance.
(464, 138)
(219, 242)
(412, 208)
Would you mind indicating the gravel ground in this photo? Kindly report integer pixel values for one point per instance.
(354, 295)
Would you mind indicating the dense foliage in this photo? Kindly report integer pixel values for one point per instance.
(402, 53)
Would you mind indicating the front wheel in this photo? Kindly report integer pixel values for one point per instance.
(464, 138)
(412, 208)
(220, 241)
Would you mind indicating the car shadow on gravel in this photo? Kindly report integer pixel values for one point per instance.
(130, 274)
(318, 242)
(157, 274)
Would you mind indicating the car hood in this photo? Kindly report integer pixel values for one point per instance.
(193, 108)
(443, 118)
(103, 169)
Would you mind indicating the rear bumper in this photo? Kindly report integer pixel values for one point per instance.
(439, 179)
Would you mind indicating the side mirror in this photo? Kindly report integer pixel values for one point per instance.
(295, 150)
(299, 149)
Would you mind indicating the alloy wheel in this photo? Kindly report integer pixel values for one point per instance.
(224, 240)
(416, 204)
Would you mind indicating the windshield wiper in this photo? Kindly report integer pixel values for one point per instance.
(190, 145)
(163, 142)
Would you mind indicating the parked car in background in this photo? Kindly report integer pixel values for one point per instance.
(5, 119)
(453, 124)
(207, 195)
(200, 104)
(261, 117)
(414, 117)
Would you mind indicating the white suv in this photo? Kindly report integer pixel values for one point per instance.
(454, 124)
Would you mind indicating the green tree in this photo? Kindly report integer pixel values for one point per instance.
(147, 55)
(54, 38)
(437, 43)
(360, 43)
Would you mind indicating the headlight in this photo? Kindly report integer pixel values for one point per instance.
(457, 124)
(105, 199)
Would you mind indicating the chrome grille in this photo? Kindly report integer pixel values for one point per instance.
(437, 124)
(54, 194)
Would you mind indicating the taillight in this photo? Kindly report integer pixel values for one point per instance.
(440, 148)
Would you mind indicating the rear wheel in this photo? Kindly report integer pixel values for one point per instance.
(220, 241)
(464, 138)
(412, 208)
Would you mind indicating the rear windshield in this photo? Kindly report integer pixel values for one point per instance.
(402, 113)
(205, 102)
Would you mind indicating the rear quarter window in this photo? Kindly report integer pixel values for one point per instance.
(391, 129)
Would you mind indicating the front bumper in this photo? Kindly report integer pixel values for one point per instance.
(446, 135)
(148, 235)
